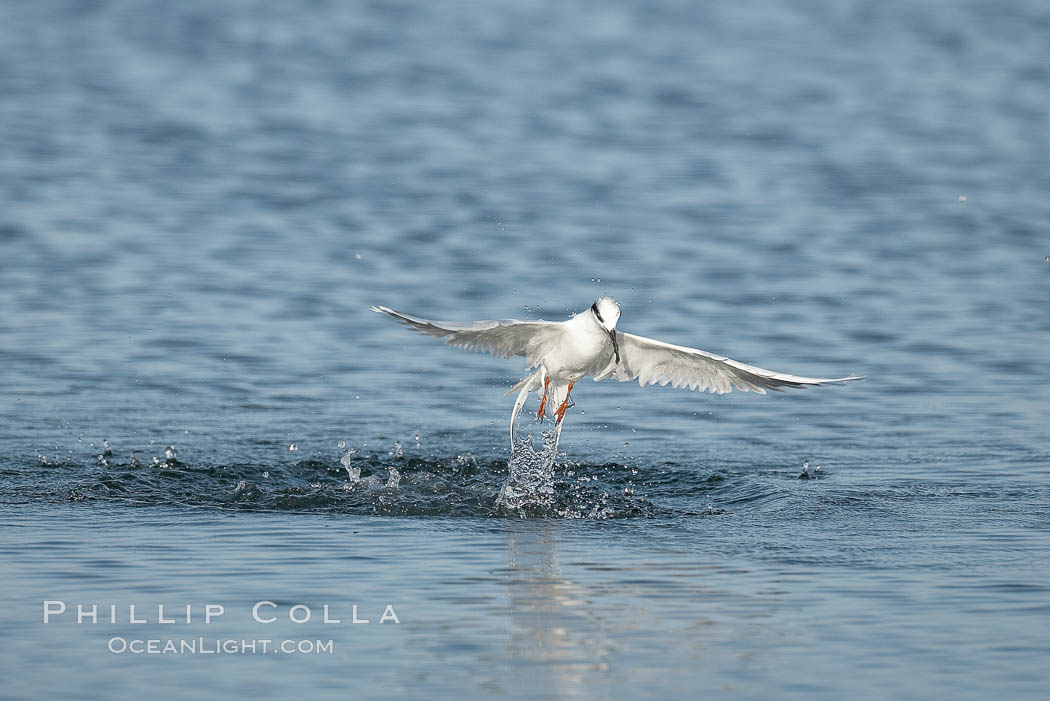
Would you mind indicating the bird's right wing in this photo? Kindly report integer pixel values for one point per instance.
(655, 362)
(532, 339)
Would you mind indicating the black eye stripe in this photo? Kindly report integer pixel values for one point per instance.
(594, 308)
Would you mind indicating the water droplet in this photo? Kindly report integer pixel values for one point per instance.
(818, 469)
(710, 509)
(397, 453)
(628, 490)
(170, 454)
(293, 446)
(132, 460)
(341, 444)
(266, 473)
(156, 460)
(106, 451)
(395, 478)
(357, 256)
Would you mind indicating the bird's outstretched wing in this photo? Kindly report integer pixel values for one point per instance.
(655, 362)
(532, 339)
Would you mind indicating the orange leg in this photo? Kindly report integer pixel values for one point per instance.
(543, 402)
(560, 413)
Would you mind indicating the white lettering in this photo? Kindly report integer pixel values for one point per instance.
(327, 619)
(213, 611)
(300, 607)
(389, 615)
(255, 611)
(356, 619)
(50, 610)
(81, 615)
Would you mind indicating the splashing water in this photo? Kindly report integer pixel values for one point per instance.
(529, 489)
(353, 472)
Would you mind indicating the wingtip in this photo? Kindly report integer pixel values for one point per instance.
(850, 378)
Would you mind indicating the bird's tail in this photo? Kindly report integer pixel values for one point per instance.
(529, 383)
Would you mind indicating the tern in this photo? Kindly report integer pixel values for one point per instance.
(563, 352)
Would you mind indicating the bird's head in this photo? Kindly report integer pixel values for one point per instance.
(606, 312)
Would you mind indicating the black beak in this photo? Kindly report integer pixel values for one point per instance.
(616, 346)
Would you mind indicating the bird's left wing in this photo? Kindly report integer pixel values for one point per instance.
(655, 362)
(532, 339)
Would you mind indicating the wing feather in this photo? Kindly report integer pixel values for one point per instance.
(532, 339)
(655, 362)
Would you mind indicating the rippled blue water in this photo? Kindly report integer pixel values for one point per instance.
(201, 201)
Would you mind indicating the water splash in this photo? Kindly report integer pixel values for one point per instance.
(529, 489)
(467, 463)
(353, 472)
(537, 482)
(170, 455)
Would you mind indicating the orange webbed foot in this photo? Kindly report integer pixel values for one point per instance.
(543, 402)
(560, 413)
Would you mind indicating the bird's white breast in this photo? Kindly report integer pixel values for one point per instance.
(581, 345)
